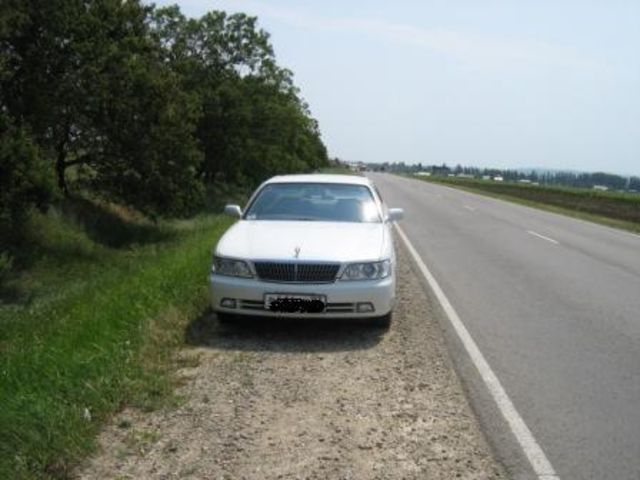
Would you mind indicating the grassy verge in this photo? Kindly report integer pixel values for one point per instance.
(619, 210)
(88, 328)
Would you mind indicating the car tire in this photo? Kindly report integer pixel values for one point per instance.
(383, 322)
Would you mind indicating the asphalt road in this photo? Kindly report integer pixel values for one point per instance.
(554, 305)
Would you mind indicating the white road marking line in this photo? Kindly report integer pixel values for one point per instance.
(471, 209)
(531, 232)
(538, 460)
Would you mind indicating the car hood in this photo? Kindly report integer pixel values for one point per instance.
(318, 241)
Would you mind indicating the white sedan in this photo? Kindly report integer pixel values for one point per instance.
(308, 246)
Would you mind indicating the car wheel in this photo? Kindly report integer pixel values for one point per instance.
(383, 321)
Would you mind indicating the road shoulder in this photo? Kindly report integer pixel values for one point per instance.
(309, 400)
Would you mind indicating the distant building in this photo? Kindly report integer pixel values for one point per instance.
(423, 174)
(464, 175)
(486, 177)
(602, 188)
(498, 178)
(524, 180)
(357, 166)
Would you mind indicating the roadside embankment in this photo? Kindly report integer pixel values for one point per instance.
(91, 327)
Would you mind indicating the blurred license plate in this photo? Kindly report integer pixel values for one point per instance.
(291, 303)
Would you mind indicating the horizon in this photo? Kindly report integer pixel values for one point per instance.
(532, 83)
(518, 169)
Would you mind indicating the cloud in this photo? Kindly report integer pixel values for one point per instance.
(472, 49)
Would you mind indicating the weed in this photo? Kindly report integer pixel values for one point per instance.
(96, 334)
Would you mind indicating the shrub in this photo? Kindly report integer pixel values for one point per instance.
(25, 180)
(6, 262)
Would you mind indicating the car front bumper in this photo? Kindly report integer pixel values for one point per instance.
(344, 298)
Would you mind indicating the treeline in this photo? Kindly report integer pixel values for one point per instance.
(140, 106)
(545, 177)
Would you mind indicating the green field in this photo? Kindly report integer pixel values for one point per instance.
(88, 321)
(610, 208)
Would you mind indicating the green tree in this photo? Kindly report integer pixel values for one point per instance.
(91, 83)
(253, 122)
(25, 180)
(144, 106)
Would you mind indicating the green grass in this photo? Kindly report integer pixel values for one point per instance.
(615, 209)
(88, 325)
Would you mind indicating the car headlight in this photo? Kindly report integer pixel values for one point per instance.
(230, 267)
(367, 271)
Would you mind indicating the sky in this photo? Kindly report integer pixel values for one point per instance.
(506, 84)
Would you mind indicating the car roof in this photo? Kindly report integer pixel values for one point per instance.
(321, 178)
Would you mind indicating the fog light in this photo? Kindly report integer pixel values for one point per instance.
(364, 307)
(228, 303)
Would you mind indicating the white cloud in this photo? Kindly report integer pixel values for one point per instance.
(473, 49)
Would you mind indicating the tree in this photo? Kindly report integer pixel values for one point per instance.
(144, 106)
(149, 156)
(25, 180)
(90, 82)
(253, 122)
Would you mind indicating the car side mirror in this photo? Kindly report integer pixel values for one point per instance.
(233, 211)
(395, 214)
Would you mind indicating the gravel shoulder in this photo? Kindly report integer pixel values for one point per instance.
(296, 399)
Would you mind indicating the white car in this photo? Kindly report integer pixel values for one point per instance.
(308, 246)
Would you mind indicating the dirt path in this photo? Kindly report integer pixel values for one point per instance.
(309, 400)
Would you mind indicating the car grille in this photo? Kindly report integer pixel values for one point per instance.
(297, 272)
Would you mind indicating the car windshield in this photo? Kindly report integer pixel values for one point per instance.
(330, 202)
